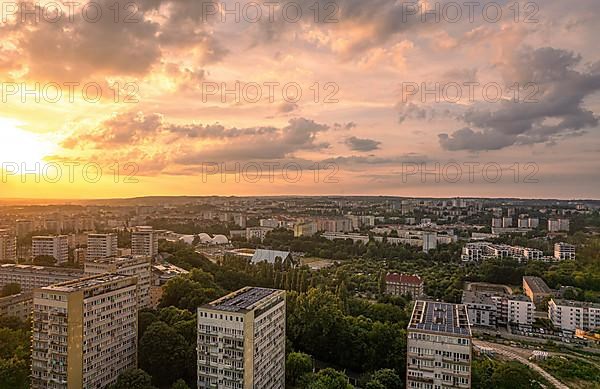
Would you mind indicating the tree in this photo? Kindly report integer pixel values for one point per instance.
(329, 379)
(44, 260)
(296, 365)
(511, 375)
(14, 373)
(387, 378)
(180, 384)
(133, 379)
(165, 353)
(10, 289)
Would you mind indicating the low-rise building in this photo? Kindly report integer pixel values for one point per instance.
(569, 316)
(404, 284)
(536, 289)
(18, 305)
(564, 251)
(481, 309)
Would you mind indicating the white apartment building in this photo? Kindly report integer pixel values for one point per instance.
(101, 245)
(438, 346)
(84, 332)
(31, 276)
(241, 340)
(564, 251)
(569, 316)
(144, 241)
(520, 310)
(8, 246)
(481, 309)
(56, 246)
(138, 266)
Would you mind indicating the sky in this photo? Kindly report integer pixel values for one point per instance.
(109, 99)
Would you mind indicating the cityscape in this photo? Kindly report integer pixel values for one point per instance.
(300, 292)
(299, 194)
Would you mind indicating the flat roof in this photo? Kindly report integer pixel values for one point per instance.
(470, 297)
(85, 283)
(536, 284)
(242, 300)
(577, 304)
(440, 317)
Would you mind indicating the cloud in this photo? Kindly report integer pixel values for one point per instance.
(362, 144)
(556, 109)
(193, 144)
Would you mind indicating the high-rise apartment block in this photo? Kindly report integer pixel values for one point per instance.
(23, 227)
(139, 267)
(101, 245)
(439, 346)
(144, 241)
(8, 246)
(84, 332)
(241, 340)
(558, 225)
(56, 246)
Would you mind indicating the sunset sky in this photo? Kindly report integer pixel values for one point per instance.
(351, 61)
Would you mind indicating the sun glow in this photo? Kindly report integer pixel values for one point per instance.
(22, 146)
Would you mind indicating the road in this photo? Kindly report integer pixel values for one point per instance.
(517, 354)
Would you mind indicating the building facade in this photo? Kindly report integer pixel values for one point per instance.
(84, 332)
(536, 289)
(481, 309)
(564, 251)
(439, 349)
(570, 316)
(404, 284)
(18, 305)
(241, 340)
(56, 246)
(137, 266)
(101, 245)
(31, 276)
(144, 242)
(8, 246)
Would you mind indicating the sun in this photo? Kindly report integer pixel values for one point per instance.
(22, 146)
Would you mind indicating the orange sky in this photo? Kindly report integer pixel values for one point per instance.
(172, 93)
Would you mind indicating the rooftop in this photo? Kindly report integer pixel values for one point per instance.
(242, 300)
(577, 304)
(440, 317)
(86, 283)
(404, 278)
(469, 297)
(536, 284)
